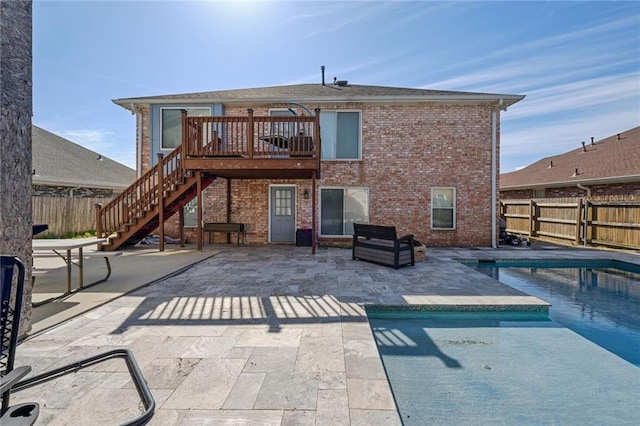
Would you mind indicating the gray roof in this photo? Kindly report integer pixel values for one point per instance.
(614, 159)
(60, 162)
(318, 93)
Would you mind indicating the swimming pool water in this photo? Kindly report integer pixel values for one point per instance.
(601, 304)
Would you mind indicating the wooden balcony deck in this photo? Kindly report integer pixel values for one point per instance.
(252, 147)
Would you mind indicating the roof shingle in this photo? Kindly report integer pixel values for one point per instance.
(58, 161)
(613, 159)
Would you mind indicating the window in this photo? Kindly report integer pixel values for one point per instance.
(191, 213)
(171, 124)
(443, 208)
(538, 193)
(340, 132)
(340, 208)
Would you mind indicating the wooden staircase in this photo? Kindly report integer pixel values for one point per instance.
(137, 211)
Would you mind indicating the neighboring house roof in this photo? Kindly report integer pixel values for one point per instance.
(59, 162)
(611, 160)
(318, 93)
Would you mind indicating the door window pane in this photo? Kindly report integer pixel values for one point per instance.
(284, 201)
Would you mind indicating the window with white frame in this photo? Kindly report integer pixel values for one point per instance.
(340, 132)
(171, 124)
(443, 208)
(340, 208)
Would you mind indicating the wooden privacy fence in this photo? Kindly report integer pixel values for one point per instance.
(65, 215)
(612, 221)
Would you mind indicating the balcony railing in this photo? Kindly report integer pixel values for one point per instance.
(251, 137)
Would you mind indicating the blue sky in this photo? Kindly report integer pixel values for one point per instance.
(578, 63)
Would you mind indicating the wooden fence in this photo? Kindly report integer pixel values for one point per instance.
(612, 221)
(65, 215)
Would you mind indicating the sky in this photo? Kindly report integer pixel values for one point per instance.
(577, 63)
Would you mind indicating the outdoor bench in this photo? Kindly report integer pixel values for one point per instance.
(224, 227)
(380, 244)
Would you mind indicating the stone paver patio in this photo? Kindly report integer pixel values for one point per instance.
(267, 335)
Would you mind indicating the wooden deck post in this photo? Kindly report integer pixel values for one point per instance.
(185, 133)
(160, 186)
(181, 226)
(250, 133)
(98, 206)
(229, 208)
(314, 229)
(532, 207)
(318, 148)
(199, 211)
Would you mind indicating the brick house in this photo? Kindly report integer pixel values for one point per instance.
(321, 157)
(610, 166)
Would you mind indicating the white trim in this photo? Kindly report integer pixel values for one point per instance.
(295, 207)
(454, 207)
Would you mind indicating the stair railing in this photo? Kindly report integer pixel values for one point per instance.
(141, 197)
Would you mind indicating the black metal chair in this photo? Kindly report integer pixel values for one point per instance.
(10, 378)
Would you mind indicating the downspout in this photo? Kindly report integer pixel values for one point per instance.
(494, 174)
(586, 213)
(73, 189)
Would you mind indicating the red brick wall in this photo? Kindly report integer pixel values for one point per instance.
(406, 150)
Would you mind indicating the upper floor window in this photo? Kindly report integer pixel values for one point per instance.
(443, 208)
(340, 132)
(171, 124)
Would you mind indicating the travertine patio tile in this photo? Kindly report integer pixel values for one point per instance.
(356, 331)
(365, 368)
(177, 347)
(245, 391)
(208, 385)
(167, 373)
(333, 408)
(360, 348)
(375, 418)
(299, 418)
(288, 391)
(259, 337)
(370, 394)
(266, 360)
(210, 347)
(320, 354)
(196, 330)
(331, 380)
(232, 418)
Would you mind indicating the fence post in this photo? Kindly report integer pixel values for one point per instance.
(98, 206)
(250, 133)
(532, 207)
(160, 191)
(589, 215)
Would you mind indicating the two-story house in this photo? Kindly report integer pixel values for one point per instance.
(315, 156)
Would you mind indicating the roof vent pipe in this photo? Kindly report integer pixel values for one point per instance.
(592, 143)
(322, 69)
(575, 173)
(618, 136)
(584, 148)
(551, 164)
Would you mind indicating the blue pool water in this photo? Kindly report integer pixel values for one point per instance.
(600, 300)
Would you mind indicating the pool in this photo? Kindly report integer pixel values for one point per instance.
(464, 367)
(598, 299)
